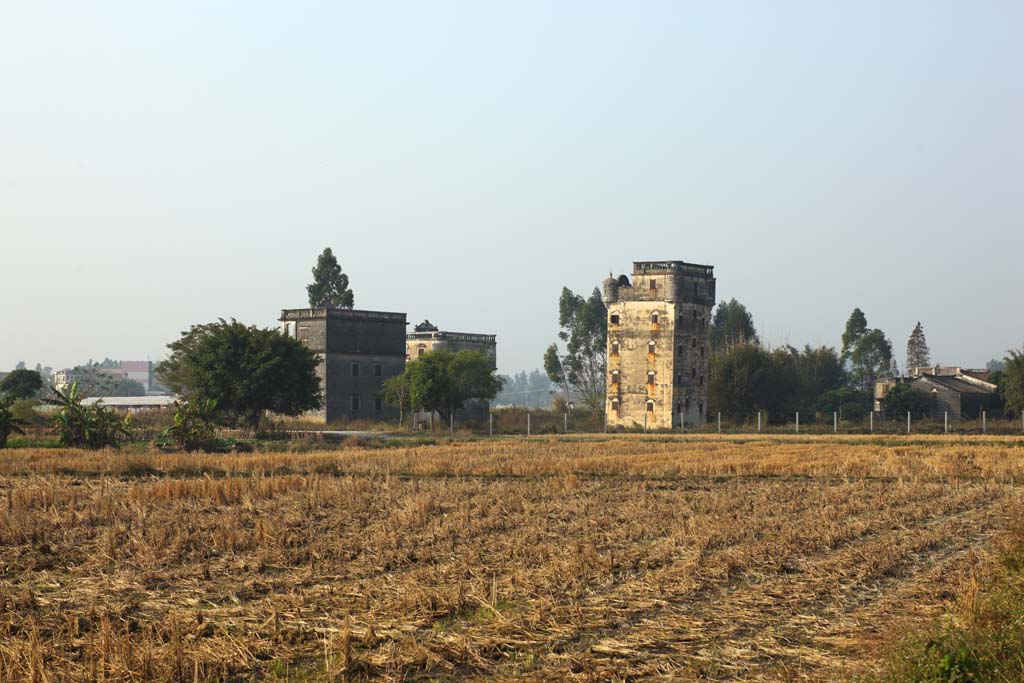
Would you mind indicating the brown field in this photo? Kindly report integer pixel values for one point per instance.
(589, 559)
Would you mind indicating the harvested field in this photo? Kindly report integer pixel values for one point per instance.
(590, 558)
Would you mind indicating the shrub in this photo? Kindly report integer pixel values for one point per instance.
(80, 426)
(193, 425)
(10, 423)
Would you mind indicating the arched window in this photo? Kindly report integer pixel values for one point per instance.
(651, 346)
(650, 405)
(615, 376)
(650, 376)
(613, 318)
(654, 318)
(615, 406)
(615, 348)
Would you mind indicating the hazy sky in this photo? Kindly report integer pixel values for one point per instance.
(168, 164)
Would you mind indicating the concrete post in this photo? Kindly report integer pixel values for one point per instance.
(451, 423)
(719, 422)
(984, 422)
(908, 422)
(527, 423)
(945, 417)
(835, 422)
(759, 422)
(490, 424)
(565, 423)
(871, 422)
(798, 422)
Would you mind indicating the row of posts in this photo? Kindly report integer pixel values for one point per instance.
(682, 425)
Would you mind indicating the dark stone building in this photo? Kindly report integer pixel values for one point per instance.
(358, 350)
(961, 397)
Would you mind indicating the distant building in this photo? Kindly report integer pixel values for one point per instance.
(139, 370)
(132, 404)
(358, 350)
(962, 393)
(658, 328)
(425, 338)
(63, 379)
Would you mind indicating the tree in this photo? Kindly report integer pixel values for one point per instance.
(584, 331)
(395, 391)
(80, 426)
(856, 327)
(246, 370)
(995, 365)
(735, 379)
(903, 398)
(329, 288)
(443, 381)
(871, 359)
(96, 381)
(1013, 382)
(918, 355)
(732, 324)
(9, 422)
(21, 383)
(193, 425)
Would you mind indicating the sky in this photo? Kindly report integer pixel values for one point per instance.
(165, 164)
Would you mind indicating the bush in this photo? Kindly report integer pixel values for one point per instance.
(9, 422)
(80, 426)
(193, 425)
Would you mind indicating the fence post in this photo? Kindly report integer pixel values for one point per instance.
(984, 422)
(565, 422)
(527, 423)
(871, 422)
(908, 422)
(451, 423)
(835, 422)
(798, 422)
(719, 421)
(490, 424)
(945, 417)
(759, 422)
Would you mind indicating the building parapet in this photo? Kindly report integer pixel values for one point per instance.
(341, 314)
(640, 267)
(454, 336)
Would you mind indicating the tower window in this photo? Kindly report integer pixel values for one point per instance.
(615, 376)
(702, 380)
(615, 348)
(693, 373)
(378, 370)
(680, 350)
(615, 406)
(654, 284)
(378, 404)
(650, 376)
(650, 347)
(654, 318)
(614, 318)
(701, 350)
(355, 403)
(700, 407)
(650, 406)
(695, 314)
(694, 342)
(355, 369)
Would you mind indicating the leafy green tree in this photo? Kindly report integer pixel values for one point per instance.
(732, 324)
(21, 383)
(871, 359)
(584, 332)
(819, 371)
(856, 327)
(1013, 382)
(9, 422)
(735, 379)
(918, 354)
(329, 288)
(246, 370)
(442, 381)
(903, 398)
(193, 426)
(848, 402)
(395, 392)
(80, 426)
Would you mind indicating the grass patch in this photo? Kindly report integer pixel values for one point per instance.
(982, 640)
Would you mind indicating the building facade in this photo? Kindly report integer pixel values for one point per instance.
(358, 351)
(426, 337)
(658, 326)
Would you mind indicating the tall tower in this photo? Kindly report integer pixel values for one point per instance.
(658, 344)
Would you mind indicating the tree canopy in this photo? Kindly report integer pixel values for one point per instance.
(856, 327)
(903, 398)
(1013, 381)
(443, 381)
(732, 324)
(871, 359)
(329, 288)
(584, 332)
(21, 383)
(245, 370)
(918, 354)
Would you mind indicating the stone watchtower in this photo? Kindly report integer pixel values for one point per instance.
(658, 344)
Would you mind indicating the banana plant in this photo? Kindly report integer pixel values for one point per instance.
(9, 424)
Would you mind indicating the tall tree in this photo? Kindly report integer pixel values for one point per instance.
(918, 355)
(856, 327)
(871, 358)
(584, 332)
(246, 370)
(329, 288)
(21, 383)
(442, 381)
(732, 324)
(1012, 384)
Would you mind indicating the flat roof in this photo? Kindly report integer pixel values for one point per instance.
(288, 314)
(693, 268)
(131, 401)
